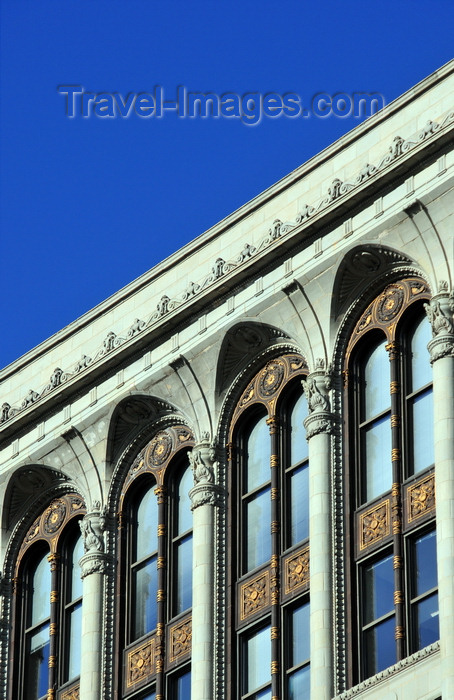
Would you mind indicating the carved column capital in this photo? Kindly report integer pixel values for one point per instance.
(440, 314)
(94, 560)
(93, 563)
(316, 388)
(204, 466)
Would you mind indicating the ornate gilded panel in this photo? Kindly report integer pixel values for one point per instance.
(180, 638)
(155, 456)
(421, 498)
(140, 663)
(374, 525)
(296, 571)
(51, 523)
(72, 693)
(387, 309)
(254, 595)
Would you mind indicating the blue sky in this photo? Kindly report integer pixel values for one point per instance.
(89, 204)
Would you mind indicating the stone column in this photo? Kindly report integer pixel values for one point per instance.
(94, 567)
(205, 496)
(319, 427)
(441, 348)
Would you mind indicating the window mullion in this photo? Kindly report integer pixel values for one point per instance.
(161, 493)
(394, 351)
(275, 551)
(55, 629)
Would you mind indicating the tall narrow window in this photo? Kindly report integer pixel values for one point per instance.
(144, 554)
(37, 636)
(48, 603)
(155, 551)
(392, 503)
(269, 525)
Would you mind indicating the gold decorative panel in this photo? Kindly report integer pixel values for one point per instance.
(421, 498)
(71, 693)
(140, 663)
(255, 595)
(374, 525)
(180, 638)
(296, 571)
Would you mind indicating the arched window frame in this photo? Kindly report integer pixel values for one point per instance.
(157, 662)
(51, 537)
(387, 525)
(265, 599)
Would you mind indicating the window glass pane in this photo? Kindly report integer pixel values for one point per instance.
(40, 591)
(421, 371)
(380, 647)
(184, 574)
(299, 504)
(378, 589)
(184, 502)
(150, 696)
(299, 684)
(376, 383)
(147, 526)
(74, 639)
(258, 660)
(257, 529)
(422, 431)
(426, 621)
(425, 563)
(378, 458)
(298, 442)
(76, 582)
(36, 675)
(300, 649)
(183, 687)
(145, 584)
(258, 456)
(263, 695)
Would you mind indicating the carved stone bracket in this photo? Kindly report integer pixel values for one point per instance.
(440, 313)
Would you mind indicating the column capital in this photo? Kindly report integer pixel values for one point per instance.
(316, 388)
(204, 465)
(440, 314)
(93, 563)
(94, 560)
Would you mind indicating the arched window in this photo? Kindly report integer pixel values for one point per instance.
(155, 572)
(269, 526)
(48, 603)
(390, 483)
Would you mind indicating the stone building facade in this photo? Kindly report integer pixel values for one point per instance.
(234, 478)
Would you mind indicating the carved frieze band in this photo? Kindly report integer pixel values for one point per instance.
(296, 571)
(180, 638)
(255, 595)
(140, 663)
(338, 189)
(374, 525)
(421, 498)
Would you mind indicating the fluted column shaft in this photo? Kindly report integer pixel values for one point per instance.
(205, 496)
(319, 427)
(94, 566)
(441, 347)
